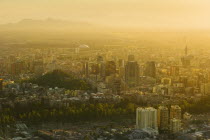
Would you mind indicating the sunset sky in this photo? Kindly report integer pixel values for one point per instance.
(135, 13)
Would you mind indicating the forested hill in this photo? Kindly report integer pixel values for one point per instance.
(60, 79)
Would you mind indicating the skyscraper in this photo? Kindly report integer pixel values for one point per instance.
(174, 71)
(86, 69)
(186, 59)
(205, 88)
(121, 63)
(121, 68)
(186, 51)
(175, 112)
(100, 59)
(150, 69)
(175, 125)
(116, 87)
(110, 68)
(146, 118)
(102, 67)
(132, 73)
(131, 58)
(1, 85)
(94, 68)
(163, 118)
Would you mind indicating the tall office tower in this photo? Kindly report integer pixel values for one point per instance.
(1, 85)
(131, 58)
(122, 72)
(86, 69)
(102, 67)
(94, 69)
(100, 59)
(186, 51)
(174, 71)
(184, 80)
(175, 112)
(110, 68)
(163, 118)
(121, 68)
(175, 125)
(132, 73)
(150, 69)
(116, 87)
(205, 88)
(186, 59)
(146, 118)
(121, 63)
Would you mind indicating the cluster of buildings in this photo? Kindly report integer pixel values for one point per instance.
(117, 76)
(27, 93)
(162, 119)
(115, 71)
(143, 75)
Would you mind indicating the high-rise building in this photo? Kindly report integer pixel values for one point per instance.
(186, 60)
(163, 118)
(121, 63)
(86, 69)
(94, 69)
(205, 88)
(122, 72)
(102, 67)
(175, 112)
(175, 125)
(174, 71)
(1, 85)
(132, 73)
(131, 58)
(146, 118)
(100, 59)
(184, 80)
(150, 69)
(121, 68)
(110, 68)
(116, 87)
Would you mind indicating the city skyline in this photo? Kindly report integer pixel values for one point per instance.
(104, 70)
(164, 14)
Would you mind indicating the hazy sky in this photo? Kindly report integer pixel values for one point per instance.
(142, 13)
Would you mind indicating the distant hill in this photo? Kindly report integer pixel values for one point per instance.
(51, 33)
(47, 24)
(60, 79)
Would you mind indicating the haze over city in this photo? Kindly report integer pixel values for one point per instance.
(104, 70)
(119, 13)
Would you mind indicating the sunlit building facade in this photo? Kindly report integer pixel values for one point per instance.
(146, 118)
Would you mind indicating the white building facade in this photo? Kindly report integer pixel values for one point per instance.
(146, 118)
